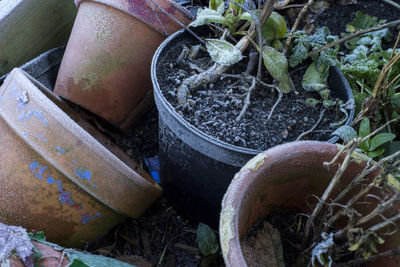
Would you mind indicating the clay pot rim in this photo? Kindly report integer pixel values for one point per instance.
(237, 190)
(119, 6)
(75, 129)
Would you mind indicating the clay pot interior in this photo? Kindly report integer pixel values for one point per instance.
(284, 178)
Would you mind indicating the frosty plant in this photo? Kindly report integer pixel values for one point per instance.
(267, 33)
(363, 232)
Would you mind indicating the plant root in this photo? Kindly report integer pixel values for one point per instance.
(321, 116)
(247, 100)
(275, 105)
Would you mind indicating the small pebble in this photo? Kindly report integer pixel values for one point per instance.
(306, 119)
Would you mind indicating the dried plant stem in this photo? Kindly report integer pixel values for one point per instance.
(177, 21)
(296, 24)
(275, 105)
(247, 100)
(328, 191)
(382, 207)
(321, 116)
(390, 2)
(359, 261)
(351, 36)
(367, 170)
(385, 223)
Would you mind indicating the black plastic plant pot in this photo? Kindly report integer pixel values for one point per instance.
(195, 168)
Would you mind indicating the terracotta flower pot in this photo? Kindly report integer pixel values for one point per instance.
(282, 179)
(55, 176)
(106, 65)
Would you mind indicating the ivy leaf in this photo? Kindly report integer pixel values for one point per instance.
(277, 65)
(208, 15)
(206, 240)
(217, 5)
(346, 133)
(274, 27)
(312, 79)
(380, 139)
(223, 52)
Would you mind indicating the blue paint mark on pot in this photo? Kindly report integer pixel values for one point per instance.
(50, 180)
(37, 113)
(64, 196)
(83, 174)
(86, 218)
(60, 150)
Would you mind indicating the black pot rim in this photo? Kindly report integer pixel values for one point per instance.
(158, 95)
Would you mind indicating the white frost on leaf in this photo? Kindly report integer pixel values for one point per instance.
(222, 52)
(208, 15)
(14, 238)
(322, 248)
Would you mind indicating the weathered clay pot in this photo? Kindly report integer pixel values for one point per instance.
(55, 176)
(106, 65)
(282, 179)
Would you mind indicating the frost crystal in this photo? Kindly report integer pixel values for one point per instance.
(15, 238)
(321, 248)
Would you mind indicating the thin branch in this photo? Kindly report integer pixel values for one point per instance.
(360, 261)
(390, 2)
(247, 100)
(296, 24)
(335, 180)
(321, 116)
(276, 104)
(351, 36)
(180, 23)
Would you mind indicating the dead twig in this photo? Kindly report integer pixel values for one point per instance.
(360, 261)
(247, 100)
(296, 24)
(390, 2)
(321, 116)
(275, 105)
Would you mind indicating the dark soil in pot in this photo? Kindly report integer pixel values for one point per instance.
(337, 16)
(214, 109)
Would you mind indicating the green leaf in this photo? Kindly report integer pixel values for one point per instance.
(235, 7)
(223, 52)
(277, 65)
(380, 139)
(346, 133)
(312, 102)
(246, 16)
(206, 240)
(325, 94)
(395, 100)
(38, 236)
(364, 129)
(376, 153)
(299, 51)
(361, 21)
(274, 27)
(78, 263)
(312, 79)
(208, 15)
(217, 5)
